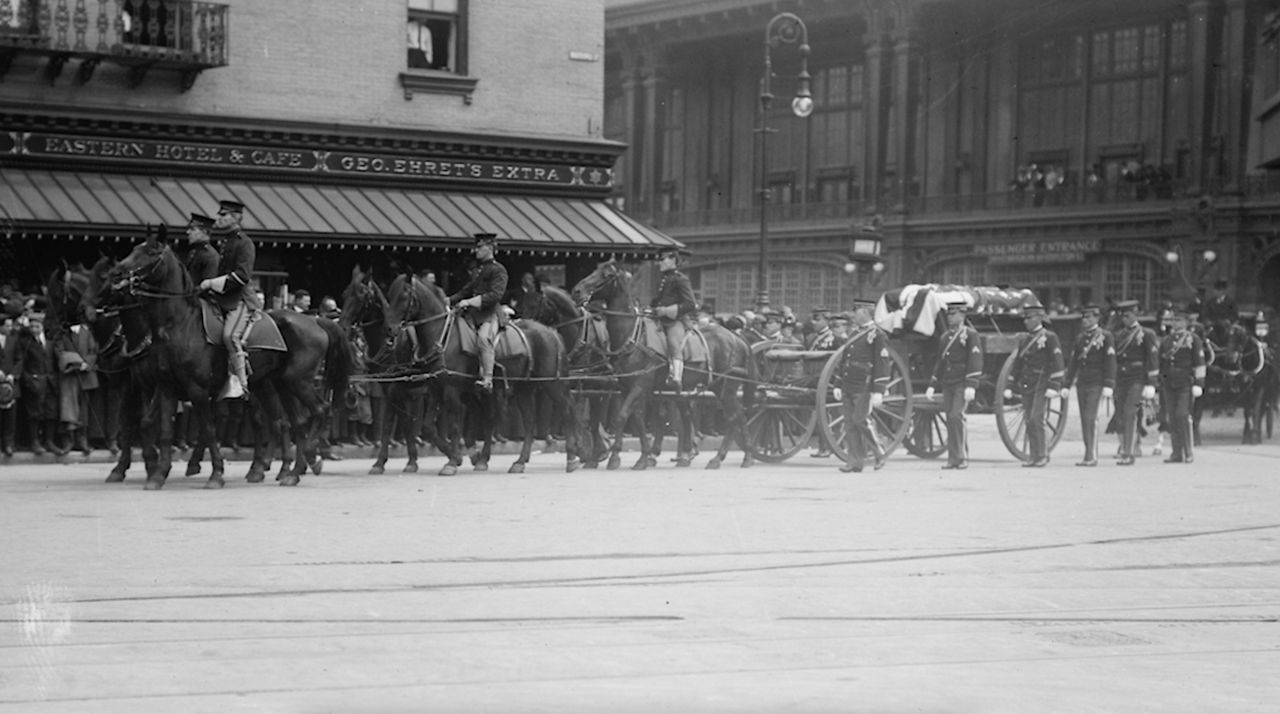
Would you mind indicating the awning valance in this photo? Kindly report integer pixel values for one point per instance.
(79, 203)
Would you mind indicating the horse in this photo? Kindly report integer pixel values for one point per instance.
(419, 321)
(1237, 375)
(638, 361)
(163, 312)
(588, 355)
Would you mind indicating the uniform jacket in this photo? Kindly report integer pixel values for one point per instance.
(202, 262)
(235, 261)
(674, 288)
(824, 340)
(1182, 360)
(960, 359)
(1137, 355)
(1037, 365)
(865, 361)
(490, 283)
(1219, 309)
(1093, 360)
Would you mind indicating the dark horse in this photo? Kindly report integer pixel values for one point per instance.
(163, 320)
(1240, 374)
(637, 366)
(417, 319)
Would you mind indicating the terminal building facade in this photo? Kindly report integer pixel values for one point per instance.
(1091, 151)
(346, 143)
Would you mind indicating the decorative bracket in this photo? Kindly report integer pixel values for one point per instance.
(87, 66)
(54, 69)
(137, 73)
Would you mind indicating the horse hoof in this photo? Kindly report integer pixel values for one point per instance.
(572, 465)
(713, 464)
(748, 462)
(192, 469)
(614, 464)
(153, 484)
(591, 465)
(115, 477)
(214, 483)
(289, 479)
(516, 468)
(448, 470)
(683, 462)
(255, 476)
(377, 470)
(411, 468)
(641, 465)
(317, 465)
(480, 467)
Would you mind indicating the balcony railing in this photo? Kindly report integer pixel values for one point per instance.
(186, 35)
(1252, 188)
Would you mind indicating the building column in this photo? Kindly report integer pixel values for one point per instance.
(1239, 60)
(1202, 28)
(630, 102)
(876, 121)
(653, 83)
(904, 88)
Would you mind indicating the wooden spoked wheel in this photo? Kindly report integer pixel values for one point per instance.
(1011, 417)
(891, 420)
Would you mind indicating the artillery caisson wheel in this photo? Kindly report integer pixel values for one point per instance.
(928, 436)
(891, 419)
(782, 419)
(1011, 418)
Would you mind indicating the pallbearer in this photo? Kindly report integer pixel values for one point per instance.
(863, 376)
(1093, 368)
(957, 371)
(1037, 373)
(1137, 369)
(1182, 371)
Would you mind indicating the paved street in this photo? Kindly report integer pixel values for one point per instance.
(790, 588)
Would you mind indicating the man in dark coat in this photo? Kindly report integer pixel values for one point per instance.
(1182, 373)
(957, 372)
(202, 258)
(232, 292)
(863, 376)
(1037, 373)
(1219, 312)
(481, 296)
(8, 384)
(38, 383)
(1137, 368)
(1093, 367)
(672, 303)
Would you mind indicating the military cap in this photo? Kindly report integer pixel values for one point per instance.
(957, 306)
(489, 238)
(841, 317)
(1036, 310)
(227, 205)
(1091, 308)
(863, 302)
(1127, 305)
(821, 310)
(788, 320)
(1184, 312)
(199, 220)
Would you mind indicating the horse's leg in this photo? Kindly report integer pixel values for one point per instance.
(526, 416)
(382, 433)
(202, 413)
(413, 402)
(451, 410)
(557, 396)
(682, 422)
(126, 435)
(264, 409)
(489, 413)
(619, 424)
(166, 405)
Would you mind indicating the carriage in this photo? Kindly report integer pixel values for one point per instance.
(791, 413)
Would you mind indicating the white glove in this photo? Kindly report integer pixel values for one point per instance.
(970, 393)
(1008, 394)
(876, 400)
(1197, 391)
(1066, 392)
(1108, 392)
(1149, 392)
(206, 284)
(928, 394)
(1051, 394)
(472, 302)
(837, 393)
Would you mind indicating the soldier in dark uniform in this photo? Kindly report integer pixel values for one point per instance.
(1037, 373)
(202, 258)
(673, 301)
(1137, 367)
(481, 296)
(1093, 367)
(820, 337)
(232, 292)
(1219, 313)
(1182, 372)
(863, 375)
(957, 371)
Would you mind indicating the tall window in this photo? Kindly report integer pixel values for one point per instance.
(1135, 277)
(435, 35)
(837, 128)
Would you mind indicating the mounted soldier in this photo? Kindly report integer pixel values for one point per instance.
(1137, 368)
(233, 294)
(1037, 373)
(1219, 313)
(481, 296)
(672, 303)
(1093, 367)
(202, 257)
(957, 371)
(863, 377)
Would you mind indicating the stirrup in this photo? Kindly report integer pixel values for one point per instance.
(485, 384)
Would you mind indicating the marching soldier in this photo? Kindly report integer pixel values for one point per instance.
(1137, 367)
(821, 337)
(1037, 372)
(957, 371)
(673, 302)
(482, 294)
(1182, 372)
(233, 295)
(1093, 367)
(863, 376)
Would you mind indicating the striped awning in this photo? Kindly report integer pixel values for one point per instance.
(102, 204)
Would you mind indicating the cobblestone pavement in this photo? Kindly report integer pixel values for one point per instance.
(779, 588)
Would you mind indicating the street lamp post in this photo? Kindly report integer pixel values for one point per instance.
(784, 28)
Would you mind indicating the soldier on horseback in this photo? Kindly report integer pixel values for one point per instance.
(202, 258)
(672, 303)
(232, 293)
(482, 295)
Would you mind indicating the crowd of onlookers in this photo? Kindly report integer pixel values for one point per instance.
(1048, 184)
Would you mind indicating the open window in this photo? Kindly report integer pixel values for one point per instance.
(437, 49)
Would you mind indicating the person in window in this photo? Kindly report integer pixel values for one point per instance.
(673, 302)
(481, 296)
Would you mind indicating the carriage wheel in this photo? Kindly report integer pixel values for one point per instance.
(891, 419)
(928, 436)
(1011, 420)
(783, 419)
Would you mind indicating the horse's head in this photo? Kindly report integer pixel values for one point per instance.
(97, 291)
(608, 280)
(150, 270)
(362, 301)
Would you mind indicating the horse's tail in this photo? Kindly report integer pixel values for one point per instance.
(338, 363)
(749, 363)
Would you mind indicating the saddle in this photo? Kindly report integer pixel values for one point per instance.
(263, 334)
(693, 350)
(511, 342)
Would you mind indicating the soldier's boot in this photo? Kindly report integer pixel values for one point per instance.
(486, 369)
(33, 429)
(676, 373)
(237, 381)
